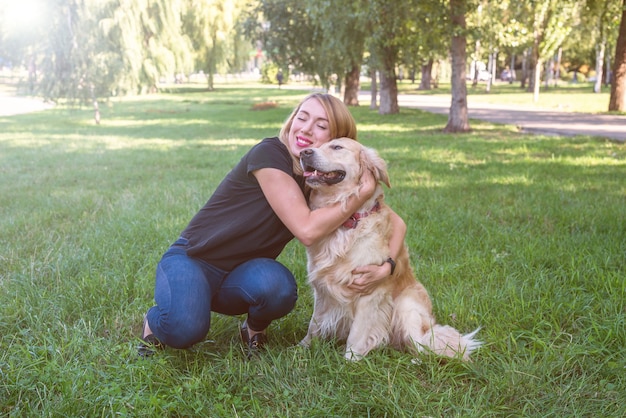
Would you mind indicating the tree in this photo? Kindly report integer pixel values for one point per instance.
(427, 40)
(409, 32)
(458, 120)
(600, 18)
(147, 37)
(319, 37)
(617, 100)
(550, 21)
(20, 33)
(287, 34)
(388, 29)
(94, 48)
(75, 63)
(344, 25)
(211, 25)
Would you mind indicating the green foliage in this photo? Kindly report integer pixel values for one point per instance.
(288, 34)
(523, 235)
(212, 27)
(324, 38)
(95, 49)
(269, 72)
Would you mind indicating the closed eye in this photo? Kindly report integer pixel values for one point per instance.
(337, 147)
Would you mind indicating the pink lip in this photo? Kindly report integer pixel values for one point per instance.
(303, 142)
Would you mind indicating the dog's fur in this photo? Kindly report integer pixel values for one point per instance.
(398, 311)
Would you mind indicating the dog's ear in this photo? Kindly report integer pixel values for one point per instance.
(372, 161)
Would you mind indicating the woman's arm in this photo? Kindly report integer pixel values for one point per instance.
(366, 277)
(308, 226)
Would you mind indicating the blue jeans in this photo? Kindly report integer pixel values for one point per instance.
(188, 289)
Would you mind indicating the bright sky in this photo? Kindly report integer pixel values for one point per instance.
(20, 15)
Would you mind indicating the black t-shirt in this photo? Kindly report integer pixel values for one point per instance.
(237, 223)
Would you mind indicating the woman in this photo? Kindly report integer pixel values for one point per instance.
(225, 260)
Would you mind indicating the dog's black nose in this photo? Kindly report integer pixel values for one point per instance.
(306, 152)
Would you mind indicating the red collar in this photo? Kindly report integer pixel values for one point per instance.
(353, 221)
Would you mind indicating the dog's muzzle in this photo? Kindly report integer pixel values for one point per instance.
(313, 174)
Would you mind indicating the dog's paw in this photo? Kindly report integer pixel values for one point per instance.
(352, 356)
(305, 343)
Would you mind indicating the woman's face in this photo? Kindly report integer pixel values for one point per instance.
(309, 128)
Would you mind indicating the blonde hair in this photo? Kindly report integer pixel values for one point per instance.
(340, 120)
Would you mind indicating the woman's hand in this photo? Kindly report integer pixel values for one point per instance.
(367, 185)
(308, 226)
(366, 278)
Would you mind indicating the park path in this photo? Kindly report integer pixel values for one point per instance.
(17, 105)
(11, 104)
(527, 119)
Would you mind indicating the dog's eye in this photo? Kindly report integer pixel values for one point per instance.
(337, 147)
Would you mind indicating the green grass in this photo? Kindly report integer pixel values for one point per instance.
(523, 235)
(567, 97)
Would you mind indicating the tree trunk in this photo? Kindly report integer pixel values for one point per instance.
(96, 107)
(374, 93)
(491, 71)
(210, 80)
(388, 84)
(557, 70)
(458, 120)
(352, 86)
(549, 70)
(435, 71)
(524, 69)
(537, 79)
(537, 61)
(425, 82)
(597, 86)
(475, 65)
(607, 67)
(388, 93)
(512, 68)
(617, 102)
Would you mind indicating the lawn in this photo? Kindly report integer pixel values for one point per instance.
(566, 97)
(522, 235)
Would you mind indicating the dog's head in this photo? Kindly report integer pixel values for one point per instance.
(338, 164)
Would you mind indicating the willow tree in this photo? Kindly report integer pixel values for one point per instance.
(147, 38)
(212, 27)
(96, 48)
(71, 56)
(77, 66)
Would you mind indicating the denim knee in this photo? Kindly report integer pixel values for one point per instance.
(186, 335)
(182, 332)
(277, 293)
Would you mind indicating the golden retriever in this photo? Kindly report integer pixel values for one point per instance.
(399, 311)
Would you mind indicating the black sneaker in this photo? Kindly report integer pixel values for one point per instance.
(254, 344)
(149, 344)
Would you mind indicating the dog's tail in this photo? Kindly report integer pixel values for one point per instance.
(447, 341)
